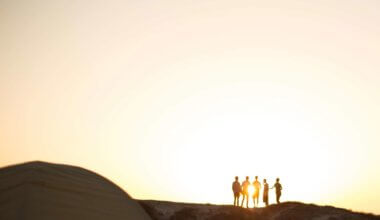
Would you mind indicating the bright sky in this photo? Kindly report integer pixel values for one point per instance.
(172, 99)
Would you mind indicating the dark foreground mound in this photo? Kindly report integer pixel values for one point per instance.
(160, 210)
(45, 191)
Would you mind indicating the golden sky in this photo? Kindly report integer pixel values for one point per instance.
(172, 99)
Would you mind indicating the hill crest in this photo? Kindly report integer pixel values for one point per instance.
(165, 210)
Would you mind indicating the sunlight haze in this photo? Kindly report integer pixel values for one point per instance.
(173, 99)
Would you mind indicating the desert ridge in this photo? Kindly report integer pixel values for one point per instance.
(44, 191)
(164, 210)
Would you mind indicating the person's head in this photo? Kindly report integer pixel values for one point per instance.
(265, 180)
(278, 180)
(247, 177)
(236, 178)
(256, 177)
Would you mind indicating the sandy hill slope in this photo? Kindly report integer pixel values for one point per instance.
(160, 210)
(44, 191)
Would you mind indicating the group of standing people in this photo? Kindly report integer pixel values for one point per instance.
(243, 189)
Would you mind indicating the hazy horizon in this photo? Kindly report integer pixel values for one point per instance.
(172, 99)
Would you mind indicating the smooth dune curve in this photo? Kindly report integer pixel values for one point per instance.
(39, 191)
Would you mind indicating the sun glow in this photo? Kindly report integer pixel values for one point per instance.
(251, 190)
(254, 141)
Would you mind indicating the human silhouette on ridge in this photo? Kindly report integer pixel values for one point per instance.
(278, 187)
(245, 187)
(266, 192)
(236, 189)
(256, 193)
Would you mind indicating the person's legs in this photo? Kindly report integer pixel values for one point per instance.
(242, 201)
(236, 199)
(278, 195)
(257, 197)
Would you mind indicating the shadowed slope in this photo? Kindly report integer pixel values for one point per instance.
(38, 190)
(160, 210)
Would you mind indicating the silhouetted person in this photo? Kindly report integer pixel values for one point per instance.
(236, 188)
(245, 187)
(278, 187)
(257, 186)
(266, 192)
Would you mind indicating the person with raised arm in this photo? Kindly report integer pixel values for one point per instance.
(278, 187)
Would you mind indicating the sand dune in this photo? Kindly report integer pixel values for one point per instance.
(44, 191)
